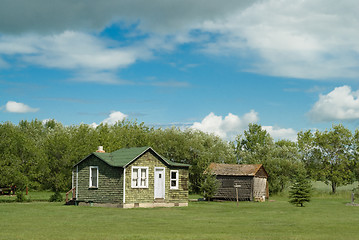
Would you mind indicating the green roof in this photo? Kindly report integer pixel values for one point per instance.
(124, 156)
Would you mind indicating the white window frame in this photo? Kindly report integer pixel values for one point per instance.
(138, 180)
(90, 181)
(174, 179)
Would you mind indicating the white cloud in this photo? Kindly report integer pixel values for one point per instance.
(232, 125)
(301, 39)
(105, 77)
(93, 125)
(93, 59)
(227, 127)
(113, 118)
(314, 39)
(281, 133)
(340, 104)
(15, 107)
(70, 50)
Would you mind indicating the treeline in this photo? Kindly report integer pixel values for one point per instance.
(41, 155)
(330, 156)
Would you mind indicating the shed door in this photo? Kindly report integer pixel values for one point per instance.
(159, 183)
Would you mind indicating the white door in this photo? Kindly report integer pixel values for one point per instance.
(159, 183)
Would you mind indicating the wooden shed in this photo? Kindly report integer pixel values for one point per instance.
(250, 179)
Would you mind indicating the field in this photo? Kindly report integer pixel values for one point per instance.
(325, 217)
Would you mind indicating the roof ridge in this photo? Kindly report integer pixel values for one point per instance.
(125, 156)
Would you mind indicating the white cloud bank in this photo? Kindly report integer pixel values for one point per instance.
(226, 127)
(301, 39)
(16, 107)
(114, 117)
(340, 104)
(281, 133)
(230, 126)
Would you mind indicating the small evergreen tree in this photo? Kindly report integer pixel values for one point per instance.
(300, 191)
(209, 186)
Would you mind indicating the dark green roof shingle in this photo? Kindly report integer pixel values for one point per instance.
(124, 156)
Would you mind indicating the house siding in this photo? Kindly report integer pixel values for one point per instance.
(110, 182)
(146, 195)
(227, 190)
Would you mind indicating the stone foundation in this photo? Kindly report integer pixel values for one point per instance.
(133, 205)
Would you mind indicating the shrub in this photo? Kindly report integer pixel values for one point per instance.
(20, 197)
(56, 197)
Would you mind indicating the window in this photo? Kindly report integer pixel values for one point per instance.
(174, 179)
(93, 177)
(139, 177)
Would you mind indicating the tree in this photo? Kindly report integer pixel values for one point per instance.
(280, 159)
(209, 186)
(193, 147)
(300, 191)
(329, 155)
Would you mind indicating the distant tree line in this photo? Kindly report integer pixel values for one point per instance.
(41, 155)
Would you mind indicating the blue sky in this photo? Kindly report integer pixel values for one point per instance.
(210, 65)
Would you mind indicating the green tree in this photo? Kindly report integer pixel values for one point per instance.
(21, 157)
(280, 159)
(329, 155)
(58, 150)
(209, 186)
(193, 147)
(300, 191)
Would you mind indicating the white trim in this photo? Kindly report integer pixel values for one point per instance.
(77, 181)
(90, 179)
(172, 179)
(72, 178)
(124, 185)
(139, 168)
(164, 182)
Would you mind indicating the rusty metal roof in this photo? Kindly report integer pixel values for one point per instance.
(234, 169)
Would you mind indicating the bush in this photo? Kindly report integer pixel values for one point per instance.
(20, 197)
(56, 197)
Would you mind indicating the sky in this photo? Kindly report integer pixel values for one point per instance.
(210, 65)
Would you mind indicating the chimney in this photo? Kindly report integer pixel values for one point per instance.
(100, 149)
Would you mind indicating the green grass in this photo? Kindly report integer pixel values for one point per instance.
(322, 218)
(32, 196)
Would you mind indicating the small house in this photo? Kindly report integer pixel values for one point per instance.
(130, 177)
(248, 180)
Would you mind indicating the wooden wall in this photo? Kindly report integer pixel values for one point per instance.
(226, 190)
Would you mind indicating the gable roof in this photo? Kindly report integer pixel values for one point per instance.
(235, 169)
(125, 156)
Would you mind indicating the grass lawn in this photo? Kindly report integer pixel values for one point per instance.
(32, 196)
(323, 218)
